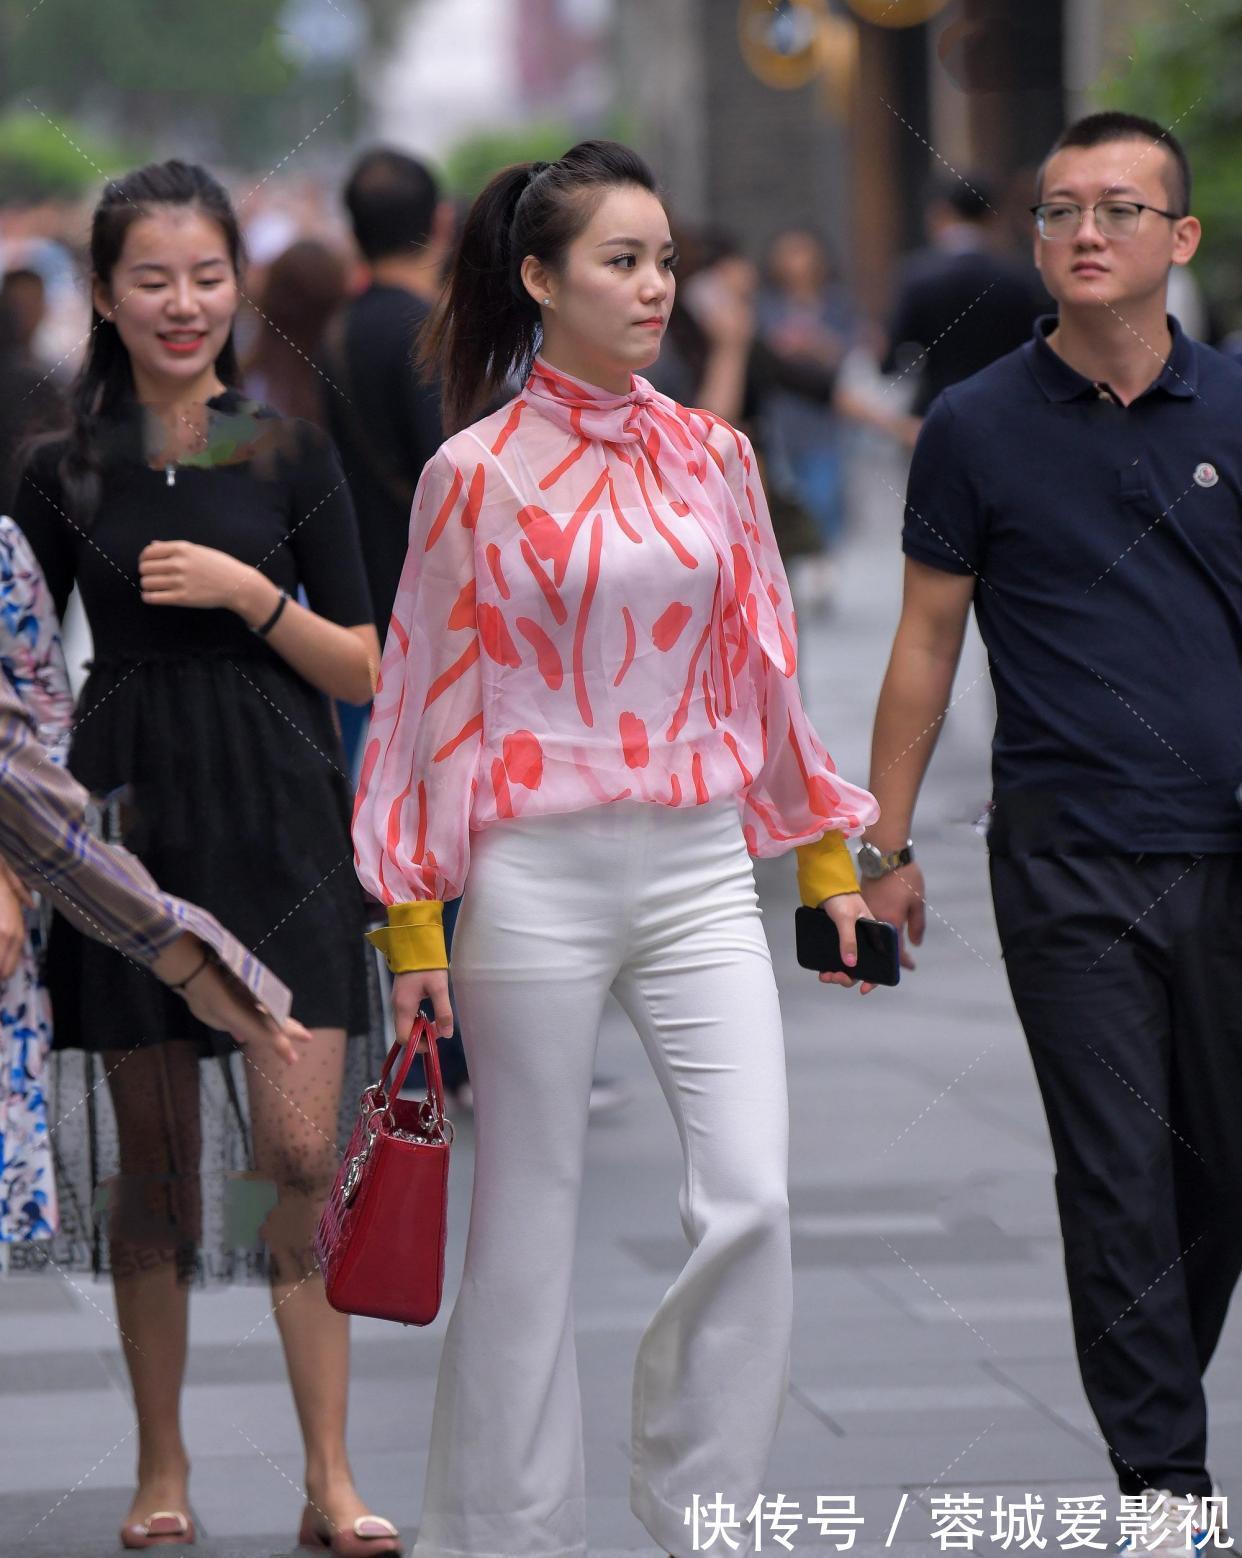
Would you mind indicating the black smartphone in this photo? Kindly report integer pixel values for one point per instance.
(819, 947)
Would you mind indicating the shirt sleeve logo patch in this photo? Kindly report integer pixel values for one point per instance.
(1206, 475)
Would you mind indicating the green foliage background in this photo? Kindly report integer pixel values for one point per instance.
(475, 158)
(1185, 71)
(38, 162)
(130, 79)
(150, 69)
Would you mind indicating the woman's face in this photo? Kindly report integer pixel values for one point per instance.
(611, 298)
(172, 296)
(796, 263)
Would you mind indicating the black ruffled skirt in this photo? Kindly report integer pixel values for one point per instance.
(224, 775)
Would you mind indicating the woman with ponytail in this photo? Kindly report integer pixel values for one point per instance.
(190, 518)
(588, 719)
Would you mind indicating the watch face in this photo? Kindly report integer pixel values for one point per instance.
(873, 863)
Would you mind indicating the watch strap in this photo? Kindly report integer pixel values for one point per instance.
(874, 863)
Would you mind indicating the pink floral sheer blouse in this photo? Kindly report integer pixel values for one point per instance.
(592, 609)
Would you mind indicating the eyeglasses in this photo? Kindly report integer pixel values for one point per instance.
(1113, 218)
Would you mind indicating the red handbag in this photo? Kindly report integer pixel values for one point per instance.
(380, 1240)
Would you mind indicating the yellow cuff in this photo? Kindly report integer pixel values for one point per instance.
(413, 939)
(825, 870)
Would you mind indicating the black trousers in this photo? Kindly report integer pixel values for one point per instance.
(1126, 971)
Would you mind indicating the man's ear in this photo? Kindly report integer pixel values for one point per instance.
(1187, 233)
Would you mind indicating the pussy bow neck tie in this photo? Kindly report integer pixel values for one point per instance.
(689, 469)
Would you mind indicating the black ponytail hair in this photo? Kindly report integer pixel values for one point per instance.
(105, 383)
(486, 326)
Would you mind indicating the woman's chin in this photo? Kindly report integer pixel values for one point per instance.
(168, 370)
(645, 353)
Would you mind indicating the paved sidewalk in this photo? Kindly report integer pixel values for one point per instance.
(932, 1352)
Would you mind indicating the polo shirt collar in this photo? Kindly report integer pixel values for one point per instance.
(1178, 377)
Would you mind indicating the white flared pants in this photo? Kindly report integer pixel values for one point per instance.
(658, 906)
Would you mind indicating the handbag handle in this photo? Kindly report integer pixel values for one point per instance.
(377, 1102)
(422, 1029)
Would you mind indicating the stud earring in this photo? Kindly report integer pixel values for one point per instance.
(547, 302)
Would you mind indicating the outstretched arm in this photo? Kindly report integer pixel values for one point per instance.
(908, 721)
(106, 892)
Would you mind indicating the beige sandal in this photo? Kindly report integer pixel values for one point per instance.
(370, 1536)
(164, 1528)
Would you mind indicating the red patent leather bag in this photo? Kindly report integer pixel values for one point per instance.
(380, 1240)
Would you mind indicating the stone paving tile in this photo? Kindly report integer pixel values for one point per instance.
(72, 1436)
(21, 1297)
(44, 1370)
(887, 1351)
(805, 1447)
(388, 1358)
(982, 1244)
(828, 1300)
(379, 1418)
(45, 1523)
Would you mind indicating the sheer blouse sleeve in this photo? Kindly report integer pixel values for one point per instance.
(411, 818)
(797, 798)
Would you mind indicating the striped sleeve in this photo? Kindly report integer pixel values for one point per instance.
(103, 889)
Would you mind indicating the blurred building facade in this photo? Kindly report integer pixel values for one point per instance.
(462, 66)
(893, 94)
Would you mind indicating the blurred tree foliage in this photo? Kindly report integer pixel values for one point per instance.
(40, 161)
(475, 158)
(218, 77)
(1184, 71)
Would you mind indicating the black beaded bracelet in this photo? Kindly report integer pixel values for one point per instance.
(271, 622)
(194, 975)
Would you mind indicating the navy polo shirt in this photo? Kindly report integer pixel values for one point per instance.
(1106, 541)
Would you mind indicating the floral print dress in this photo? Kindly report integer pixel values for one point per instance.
(32, 659)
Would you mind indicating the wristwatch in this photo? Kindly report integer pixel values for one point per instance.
(874, 863)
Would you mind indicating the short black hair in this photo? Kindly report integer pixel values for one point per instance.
(1113, 125)
(391, 199)
(969, 198)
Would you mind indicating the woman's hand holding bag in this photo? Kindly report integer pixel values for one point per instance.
(381, 1238)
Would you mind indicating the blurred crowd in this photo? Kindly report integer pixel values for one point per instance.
(340, 279)
(774, 340)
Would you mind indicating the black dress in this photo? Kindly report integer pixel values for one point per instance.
(224, 762)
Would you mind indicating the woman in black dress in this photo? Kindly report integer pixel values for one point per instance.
(190, 518)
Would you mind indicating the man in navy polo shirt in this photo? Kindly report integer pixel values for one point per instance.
(1084, 493)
